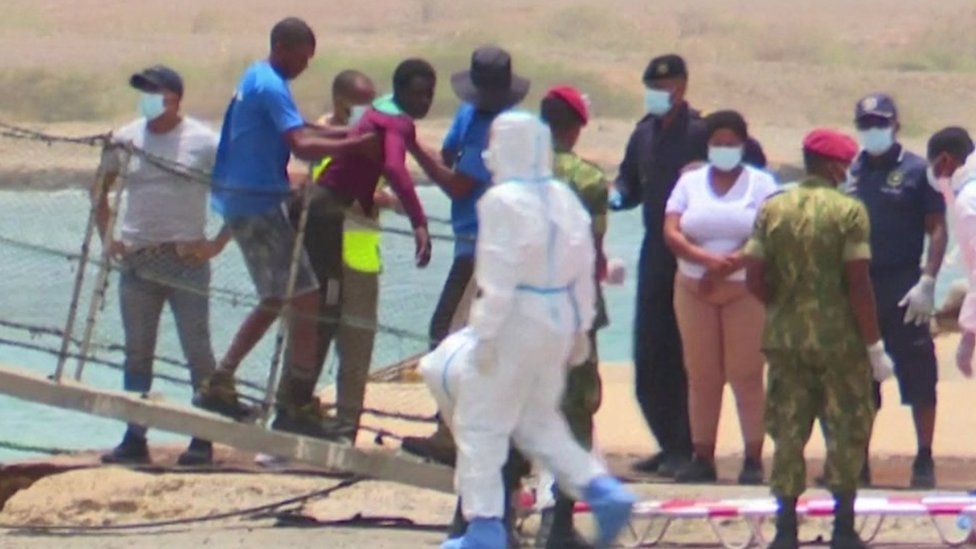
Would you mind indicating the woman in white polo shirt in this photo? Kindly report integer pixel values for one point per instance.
(709, 216)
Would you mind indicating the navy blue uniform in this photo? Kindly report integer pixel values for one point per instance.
(895, 190)
(651, 166)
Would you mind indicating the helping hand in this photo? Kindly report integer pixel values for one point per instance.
(882, 367)
(423, 246)
(964, 354)
(919, 301)
(581, 350)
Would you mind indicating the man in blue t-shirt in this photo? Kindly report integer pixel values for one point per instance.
(487, 89)
(262, 129)
(903, 209)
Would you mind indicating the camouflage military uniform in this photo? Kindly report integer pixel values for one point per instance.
(818, 365)
(583, 386)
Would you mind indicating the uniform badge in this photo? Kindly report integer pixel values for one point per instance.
(896, 178)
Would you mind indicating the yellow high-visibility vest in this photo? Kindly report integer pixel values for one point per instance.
(360, 234)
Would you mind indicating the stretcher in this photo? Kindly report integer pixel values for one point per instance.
(951, 517)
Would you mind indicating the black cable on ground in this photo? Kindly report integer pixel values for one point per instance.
(257, 510)
(30, 449)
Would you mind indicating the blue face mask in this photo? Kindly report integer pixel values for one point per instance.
(657, 102)
(151, 105)
(725, 159)
(876, 141)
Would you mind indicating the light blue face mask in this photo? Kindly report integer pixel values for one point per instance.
(356, 114)
(657, 102)
(151, 105)
(876, 141)
(725, 159)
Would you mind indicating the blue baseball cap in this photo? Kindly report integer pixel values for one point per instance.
(877, 105)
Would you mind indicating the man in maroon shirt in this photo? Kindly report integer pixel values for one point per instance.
(353, 178)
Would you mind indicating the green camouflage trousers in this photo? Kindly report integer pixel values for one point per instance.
(582, 397)
(833, 386)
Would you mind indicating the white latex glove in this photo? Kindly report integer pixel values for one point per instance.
(882, 367)
(581, 350)
(919, 301)
(485, 354)
(964, 353)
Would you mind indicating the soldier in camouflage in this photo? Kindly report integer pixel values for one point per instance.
(566, 112)
(808, 261)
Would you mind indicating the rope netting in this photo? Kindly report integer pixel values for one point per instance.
(61, 307)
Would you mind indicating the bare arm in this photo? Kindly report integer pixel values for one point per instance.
(455, 185)
(860, 293)
(935, 226)
(100, 197)
(309, 144)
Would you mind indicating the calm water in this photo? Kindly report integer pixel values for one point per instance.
(35, 289)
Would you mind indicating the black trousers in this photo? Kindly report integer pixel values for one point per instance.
(462, 269)
(660, 381)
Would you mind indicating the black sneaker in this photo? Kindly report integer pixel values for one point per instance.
(696, 471)
(309, 421)
(432, 448)
(650, 465)
(672, 465)
(133, 450)
(199, 453)
(923, 473)
(752, 472)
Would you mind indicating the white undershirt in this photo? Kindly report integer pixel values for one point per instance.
(719, 224)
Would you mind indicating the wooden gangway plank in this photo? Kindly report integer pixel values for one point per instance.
(159, 414)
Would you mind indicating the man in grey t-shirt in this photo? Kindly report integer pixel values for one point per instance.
(163, 248)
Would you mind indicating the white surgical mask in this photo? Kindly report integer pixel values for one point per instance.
(725, 159)
(877, 141)
(151, 105)
(356, 114)
(657, 102)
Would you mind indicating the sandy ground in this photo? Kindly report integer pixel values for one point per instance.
(94, 496)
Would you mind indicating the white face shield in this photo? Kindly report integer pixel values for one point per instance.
(519, 148)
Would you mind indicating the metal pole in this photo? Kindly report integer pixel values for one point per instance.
(101, 282)
(284, 324)
(69, 325)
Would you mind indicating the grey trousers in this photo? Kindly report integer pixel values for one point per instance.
(151, 278)
(354, 341)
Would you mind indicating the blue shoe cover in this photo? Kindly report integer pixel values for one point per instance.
(611, 504)
(481, 534)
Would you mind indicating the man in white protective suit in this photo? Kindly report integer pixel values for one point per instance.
(502, 378)
(952, 171)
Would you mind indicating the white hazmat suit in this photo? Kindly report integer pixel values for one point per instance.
(959, 192)
(506, 373)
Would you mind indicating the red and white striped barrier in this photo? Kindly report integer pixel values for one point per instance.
(653, 519)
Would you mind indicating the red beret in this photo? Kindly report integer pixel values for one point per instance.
(576, 100)
(831, 144)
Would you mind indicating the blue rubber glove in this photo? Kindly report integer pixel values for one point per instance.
(615, 200)
(481, 534)
(612, 505)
